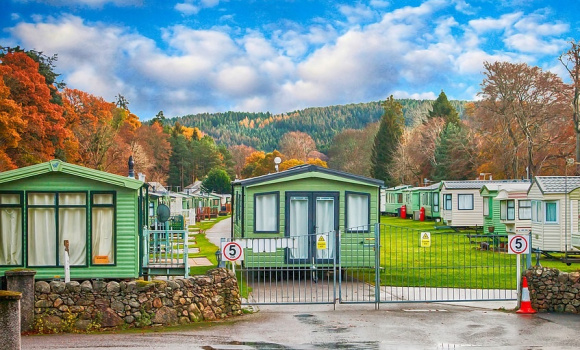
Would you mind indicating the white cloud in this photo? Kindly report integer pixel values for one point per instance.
(192, 7)
(504, 22)
(87, 3)
(429, 95)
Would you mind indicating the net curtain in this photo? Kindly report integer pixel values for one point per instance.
(102, 228)
(10, 231)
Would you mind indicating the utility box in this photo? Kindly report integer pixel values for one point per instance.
(416, 215)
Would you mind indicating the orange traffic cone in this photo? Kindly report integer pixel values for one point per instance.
(526, 304)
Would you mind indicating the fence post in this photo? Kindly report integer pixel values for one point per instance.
(377, 265)
(23, 281)
(10, 319)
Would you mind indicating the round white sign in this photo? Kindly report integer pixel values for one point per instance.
(232, 251)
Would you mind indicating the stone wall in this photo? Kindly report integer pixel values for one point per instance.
(88, 305)
(553, 290)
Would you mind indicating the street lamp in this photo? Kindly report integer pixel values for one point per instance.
(277, 162)
(569, 162)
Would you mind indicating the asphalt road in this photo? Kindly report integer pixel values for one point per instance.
(393, 326)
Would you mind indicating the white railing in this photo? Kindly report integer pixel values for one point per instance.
(166, 249)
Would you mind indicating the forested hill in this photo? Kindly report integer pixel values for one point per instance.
(263, 130)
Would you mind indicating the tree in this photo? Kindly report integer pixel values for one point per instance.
(386, 141)
(44, 133)
(443, 109)
(455, 155)
(218, 181)
(11, 125)
(180, 165)
(260, 163)
(351, 149)
(528, 107)
(239, 154)
(297, 145)
(155, 145)
(571, 61)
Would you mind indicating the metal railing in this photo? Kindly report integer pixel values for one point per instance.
(166, 249)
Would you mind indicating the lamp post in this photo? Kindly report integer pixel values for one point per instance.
(569, 162)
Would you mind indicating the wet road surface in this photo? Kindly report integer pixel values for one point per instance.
(394, 326)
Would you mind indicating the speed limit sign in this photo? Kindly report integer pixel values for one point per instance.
(518, 244)
(232, 251)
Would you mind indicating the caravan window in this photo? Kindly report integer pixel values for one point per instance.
(536, 211)
(357, 210)
(447, 205)
(11, 229)
(486, 206)
(103, 228)
(507, 210)
(436, 202)
(465, 201)
(266, 212)
(551, 211)
(524, 209)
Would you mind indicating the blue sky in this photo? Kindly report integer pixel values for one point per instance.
(192, 56)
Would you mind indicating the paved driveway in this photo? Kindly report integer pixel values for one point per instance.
(394, 326)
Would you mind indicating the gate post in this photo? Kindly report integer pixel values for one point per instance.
(23, 281)
(10, 319)
(377, 265)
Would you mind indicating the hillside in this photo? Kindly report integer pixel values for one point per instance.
(263, 130)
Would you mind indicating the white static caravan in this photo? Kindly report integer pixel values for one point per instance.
(462, 203)
(554, 212)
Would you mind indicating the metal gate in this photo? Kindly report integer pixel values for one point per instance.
(376, 264)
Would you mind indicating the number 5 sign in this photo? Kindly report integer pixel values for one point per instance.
(232, 251)
(518, 244)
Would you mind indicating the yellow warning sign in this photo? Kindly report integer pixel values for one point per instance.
(320, 243)
(425, 239)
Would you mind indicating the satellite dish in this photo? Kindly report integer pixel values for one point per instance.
(163, 213)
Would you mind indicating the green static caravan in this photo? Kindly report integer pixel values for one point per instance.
(412, 200)
(299, 205)
(392, 199)
(100, 214)
(430, 199)
(506, 208)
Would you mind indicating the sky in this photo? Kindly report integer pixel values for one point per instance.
(194, 56)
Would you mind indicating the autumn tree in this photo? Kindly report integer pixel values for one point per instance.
(152, 151)
(571, 61)
(523, 105)
(297, 145)
(386, 141)
(43, 135)
(239, 154)
(11, 124)
(260, 163)
(350, 150)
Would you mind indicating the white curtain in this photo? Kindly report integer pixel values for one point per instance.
(10, 231)
(266, 213)
(358, 211)
(465, 201)
(299, 227)
(325, 226)
(73, 227)
(41, 237)
(103, 243)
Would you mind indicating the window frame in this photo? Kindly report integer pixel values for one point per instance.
(504, 210)
(346, 211)
(56, 207)
(545, 212)
(23, 230)
(277, 195)
(460, 195)
(486, 206)
(114, 206)
(525, 206)
(447, 201)
(435, 205)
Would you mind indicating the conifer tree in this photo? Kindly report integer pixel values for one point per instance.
(386, 141)
(442, 108)
(455, 155)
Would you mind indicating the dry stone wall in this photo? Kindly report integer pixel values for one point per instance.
(552, 290)
(63, 306)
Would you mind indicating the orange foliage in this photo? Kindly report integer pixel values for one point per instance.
(44, 131)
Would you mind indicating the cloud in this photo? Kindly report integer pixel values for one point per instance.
(192, 7)
(87, 3)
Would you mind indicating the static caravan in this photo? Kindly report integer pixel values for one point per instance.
(462, 203)
(554, 212)
(430, 198)
(412, 200)
(393, 199)
(287, 215)
(506, 208)
(99, 214)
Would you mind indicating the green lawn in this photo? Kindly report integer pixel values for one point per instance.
(454, 259)
(206, 248)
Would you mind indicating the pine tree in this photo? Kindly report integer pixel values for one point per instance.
(455, 155)
(386, 141)
(442, 108)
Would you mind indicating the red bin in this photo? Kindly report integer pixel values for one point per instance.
(422, 214)
(404, 211)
